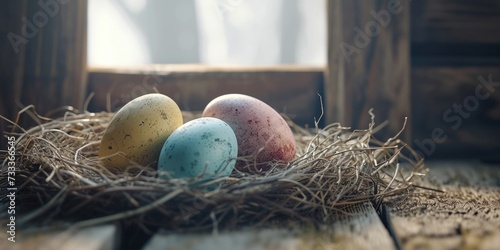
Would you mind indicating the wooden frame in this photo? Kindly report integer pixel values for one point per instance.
(292, 90)
(44, 55)
(349, 90)
(392, 66)
(379, 75)
(368, 64)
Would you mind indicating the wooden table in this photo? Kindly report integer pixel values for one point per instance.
(465, 216)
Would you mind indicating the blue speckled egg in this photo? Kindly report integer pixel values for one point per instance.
(204, 147)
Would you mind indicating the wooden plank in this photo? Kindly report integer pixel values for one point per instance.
(361, 230)
(98, 238)
(44, 58)
(466, 216)
(292, 90)
(368, 63)
(11, 61)
(455, 22)
(461, 102)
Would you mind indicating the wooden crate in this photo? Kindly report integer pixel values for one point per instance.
(434, 61)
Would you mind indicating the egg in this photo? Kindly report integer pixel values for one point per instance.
(138, 130)
(204, 147)
(263, 135)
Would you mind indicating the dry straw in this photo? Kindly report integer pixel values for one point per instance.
(60, 178)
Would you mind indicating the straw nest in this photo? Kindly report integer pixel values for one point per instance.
(59, 178)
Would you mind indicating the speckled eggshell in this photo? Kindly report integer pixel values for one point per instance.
(205, 147)
(257, 126)
(138, 130)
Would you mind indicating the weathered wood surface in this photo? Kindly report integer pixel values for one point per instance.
(463, 102)
(92, 238)
(362, 229)
(455, 21)
(465, 216)
(44, 59)
(455, 32)
(292, 90)
(368, 63)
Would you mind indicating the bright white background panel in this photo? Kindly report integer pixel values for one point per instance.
(215, 32)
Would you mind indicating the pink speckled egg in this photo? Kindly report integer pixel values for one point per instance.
(263, 135)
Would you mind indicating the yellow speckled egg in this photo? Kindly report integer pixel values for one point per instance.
(138, 131)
